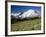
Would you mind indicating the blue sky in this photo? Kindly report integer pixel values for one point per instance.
(15, 8)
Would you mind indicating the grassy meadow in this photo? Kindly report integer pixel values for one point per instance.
(26, 25)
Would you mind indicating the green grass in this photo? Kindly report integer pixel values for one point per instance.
(26, 25)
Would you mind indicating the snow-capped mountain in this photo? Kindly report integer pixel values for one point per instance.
(28, 14)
